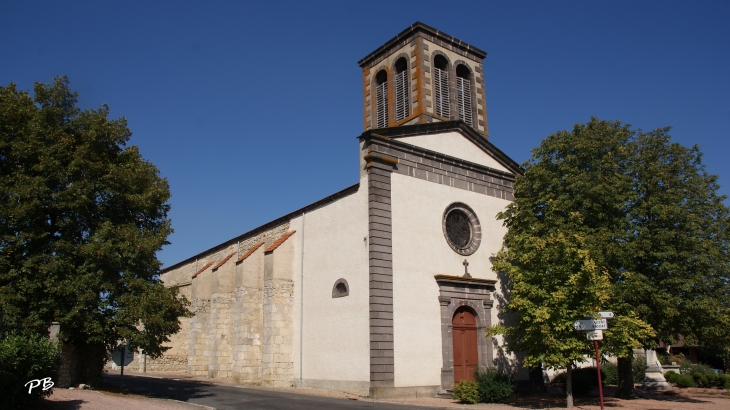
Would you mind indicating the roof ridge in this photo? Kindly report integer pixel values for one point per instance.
(279, 241)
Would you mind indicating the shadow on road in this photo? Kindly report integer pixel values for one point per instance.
(182, 390)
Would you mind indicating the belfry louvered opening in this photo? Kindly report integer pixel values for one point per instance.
(381, 99)
(402, 108)
(441, 86)
(463, 93)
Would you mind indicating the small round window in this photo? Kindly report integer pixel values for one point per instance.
(461, 229)
(340, 289)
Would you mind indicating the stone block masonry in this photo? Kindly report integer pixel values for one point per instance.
(242, 328)
(278, 366)
(247, 353)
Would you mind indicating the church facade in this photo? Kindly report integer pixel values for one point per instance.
(384, 288)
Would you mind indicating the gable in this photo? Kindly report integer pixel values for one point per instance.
(456, 145)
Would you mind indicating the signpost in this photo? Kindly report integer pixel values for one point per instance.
(594, 331)
(590, 324)
(595, 335)
(122, 357)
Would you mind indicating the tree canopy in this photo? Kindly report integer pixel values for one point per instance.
(82, 216)
(611, 217)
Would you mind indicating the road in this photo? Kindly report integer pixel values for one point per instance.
(227, 397)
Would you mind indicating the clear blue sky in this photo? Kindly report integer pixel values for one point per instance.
(251, 109)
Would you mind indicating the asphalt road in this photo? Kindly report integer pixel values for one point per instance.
(223, 397)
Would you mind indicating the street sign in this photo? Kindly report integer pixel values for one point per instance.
(117, 356)
(595, 335)
(606, 315)
(590, 324)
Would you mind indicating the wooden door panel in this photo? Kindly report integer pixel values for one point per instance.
(466, 354)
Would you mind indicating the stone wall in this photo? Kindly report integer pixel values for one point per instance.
(278, 367)
(225, 338)
(198, 356)
(247, 327)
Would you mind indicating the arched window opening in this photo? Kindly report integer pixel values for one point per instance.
(402, 108)
(441, 85)
(463, 93)
(340, 289)
(381, 99)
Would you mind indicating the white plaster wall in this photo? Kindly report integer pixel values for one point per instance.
(455, 145)
(420, 251)
(336, 338)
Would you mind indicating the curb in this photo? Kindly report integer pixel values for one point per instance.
(202, 406)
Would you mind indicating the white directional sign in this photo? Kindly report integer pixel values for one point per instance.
(590, 324)
(595, 335)
(117, 357)
(606, 315)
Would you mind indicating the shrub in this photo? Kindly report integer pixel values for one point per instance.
(609, 373)
(466, 391)
(671, 376)
(700, 379)
(494, 387)
(22, 359)
(684, 380)
(638, 368)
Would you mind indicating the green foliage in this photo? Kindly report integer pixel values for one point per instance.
(724, 379)
(610, 217)
(24, 358)
(82, 216)
(494, 387)
(609, 373)
(562, 250)
(684, 381)
(671, 376)
(700, 368)
(466, 391)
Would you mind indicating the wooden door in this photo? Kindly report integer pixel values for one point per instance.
(466, 355)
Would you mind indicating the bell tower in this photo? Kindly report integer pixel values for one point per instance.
(423, 75)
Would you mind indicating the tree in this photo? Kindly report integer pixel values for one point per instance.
(82, 216)
(677, 259)
(564, 247)
(640, 210)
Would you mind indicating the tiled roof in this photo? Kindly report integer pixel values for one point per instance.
(279, 241)
(224, 260)
(249, 252)
(207, 265)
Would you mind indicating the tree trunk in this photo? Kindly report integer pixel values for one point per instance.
(625, 379)
(569, 386)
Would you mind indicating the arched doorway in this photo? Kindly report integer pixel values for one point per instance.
(466, 355)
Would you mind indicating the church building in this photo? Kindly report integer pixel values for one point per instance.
(384, 288)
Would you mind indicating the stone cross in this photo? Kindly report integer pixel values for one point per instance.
(466, 269)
